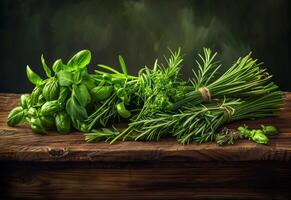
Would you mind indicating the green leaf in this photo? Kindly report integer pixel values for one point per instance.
(64, 92)
(37, 91)
(77, 77)
(58, 66)
(101, 93)
(80, 60)
(50, 107)
(63, 122)
(47, 121)
(25, 100)
(33, 77)
(45, 67)
(81, 93)
(51, 89)
(109, 68)
(15, 116)
(65, 78)
(36, 125)
(75, 110)
(122, 64)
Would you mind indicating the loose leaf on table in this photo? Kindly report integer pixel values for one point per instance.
(45, 67)
(65, 78)
(33, 77)
(80, 60)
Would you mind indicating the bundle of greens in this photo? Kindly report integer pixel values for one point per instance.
(72, 97)
(244, 78)
(156, 103)
(192, 121)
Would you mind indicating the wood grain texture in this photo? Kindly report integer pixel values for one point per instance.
(147, 180)
(20, 144)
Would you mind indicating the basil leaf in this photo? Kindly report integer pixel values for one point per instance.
(63, 122)
(45, 67)
(81, 93)
(37, 91)
(58, 66)
(15, 116)
(50, 107)
(65, 78)
(122, 64)
(36, 125)
(51, 89)
(48, 121)
(80, 60)
(77, 77)
(41, 100)
(33, 77)
(64, 92)
(25, 101)
(32, 112)
(75, 110)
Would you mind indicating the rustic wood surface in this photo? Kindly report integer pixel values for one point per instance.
(147, 180)
(65, 167)
(20, 144)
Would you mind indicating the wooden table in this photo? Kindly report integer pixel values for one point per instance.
(64, 166)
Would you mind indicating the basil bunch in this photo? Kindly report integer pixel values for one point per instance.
(59, 99)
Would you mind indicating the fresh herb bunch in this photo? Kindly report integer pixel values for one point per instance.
(158, 89)
(196, 122)
(72, 97)
(244, 78)
(228, 136)
(157, 103)
(200, 123)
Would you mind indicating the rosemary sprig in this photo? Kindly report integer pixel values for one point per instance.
(200, 123)
(103, 134)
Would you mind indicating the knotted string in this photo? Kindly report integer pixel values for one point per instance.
(228, 109)
(205, 93)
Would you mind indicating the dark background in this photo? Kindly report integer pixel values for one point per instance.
(141, 31)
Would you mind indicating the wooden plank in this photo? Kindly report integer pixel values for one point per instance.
(21, 144)
(147, 180)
